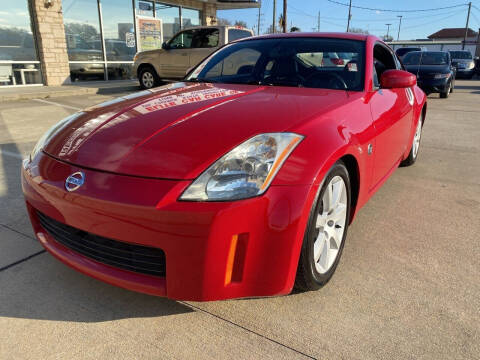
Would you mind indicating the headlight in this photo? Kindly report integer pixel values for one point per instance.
(51, 132)
(471, 65)
(442, 76)
(244, 172)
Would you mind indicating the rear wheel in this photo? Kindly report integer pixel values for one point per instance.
(148, 77)
(412, 156)
(326, 231)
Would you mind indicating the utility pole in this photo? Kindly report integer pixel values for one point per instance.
(388, 29)
(349, 15)
(399, 26)
(466, 26)
(274, 30)
(284, 16)
(259, 15)
(318, 25)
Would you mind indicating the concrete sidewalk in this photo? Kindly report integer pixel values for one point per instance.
(82, 88)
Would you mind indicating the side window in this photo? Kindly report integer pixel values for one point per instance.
(383, 60)
(206, 38)
(183, 40)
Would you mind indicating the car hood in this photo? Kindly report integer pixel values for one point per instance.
(177, 131)
(427, 69)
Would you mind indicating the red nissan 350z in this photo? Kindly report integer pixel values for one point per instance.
(239, 181)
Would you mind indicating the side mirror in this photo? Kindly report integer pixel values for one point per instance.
(391, 79)
(165, 46)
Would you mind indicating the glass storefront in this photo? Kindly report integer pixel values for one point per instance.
(170, 16)
(101, 39)
(190, 17)
(19, 64)
(119, 34)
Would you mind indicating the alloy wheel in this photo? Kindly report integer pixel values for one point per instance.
(148, 79)
(416, 139)
(330, 225)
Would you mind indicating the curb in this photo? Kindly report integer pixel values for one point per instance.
(47, 94)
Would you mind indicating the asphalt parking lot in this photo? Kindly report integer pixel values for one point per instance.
(407, 287)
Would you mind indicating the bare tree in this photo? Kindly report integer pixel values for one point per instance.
(222, 21)
(358, 31)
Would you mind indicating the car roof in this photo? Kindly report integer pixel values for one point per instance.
(338, 35)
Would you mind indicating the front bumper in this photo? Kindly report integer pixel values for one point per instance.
(264, 234)
(433, 85)
(465, 73)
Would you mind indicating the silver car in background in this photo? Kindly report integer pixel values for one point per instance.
(182, 52)
(464, 63)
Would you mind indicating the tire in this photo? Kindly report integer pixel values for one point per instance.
(444, 95)
(320, 254)
(148, 78)
(412, 156)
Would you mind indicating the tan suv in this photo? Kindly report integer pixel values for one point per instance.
(185, 50)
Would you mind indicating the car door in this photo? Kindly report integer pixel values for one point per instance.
(205, 42)
(175, 60)
(392, 113)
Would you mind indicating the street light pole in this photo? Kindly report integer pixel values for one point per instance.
(274, 16)
(399, 26)
(388, 29)
(349, 15)
(284, 16)
(259, 14)
(466, 26)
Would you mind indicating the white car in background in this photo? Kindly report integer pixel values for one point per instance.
(182, 52)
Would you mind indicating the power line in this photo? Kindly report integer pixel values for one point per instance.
(391, 10)
(301, 12)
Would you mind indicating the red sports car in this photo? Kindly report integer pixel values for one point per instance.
(240, 181)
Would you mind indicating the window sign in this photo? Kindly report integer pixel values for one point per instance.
(130, 39)
(145, 8)
(149, 33)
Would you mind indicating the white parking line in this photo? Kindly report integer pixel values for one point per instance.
(57, 104)
(13, 154)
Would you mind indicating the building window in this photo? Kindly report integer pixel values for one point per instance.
(119, 35)
(19, 64)
(190, 17)
(84, 43)
(170, 16)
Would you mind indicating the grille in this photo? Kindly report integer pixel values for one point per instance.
(136, 258)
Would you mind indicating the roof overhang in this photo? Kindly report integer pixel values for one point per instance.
(234, 4)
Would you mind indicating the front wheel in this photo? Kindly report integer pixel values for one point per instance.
(412, 156)
(326, 230)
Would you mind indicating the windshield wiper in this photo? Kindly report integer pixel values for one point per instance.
(202, 80)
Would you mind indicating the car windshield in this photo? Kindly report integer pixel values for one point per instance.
(403, 51)
(461, 55)
(298, 62)
(426, 58)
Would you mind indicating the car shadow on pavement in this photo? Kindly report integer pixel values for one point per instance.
(466, 87)
(43, 288)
